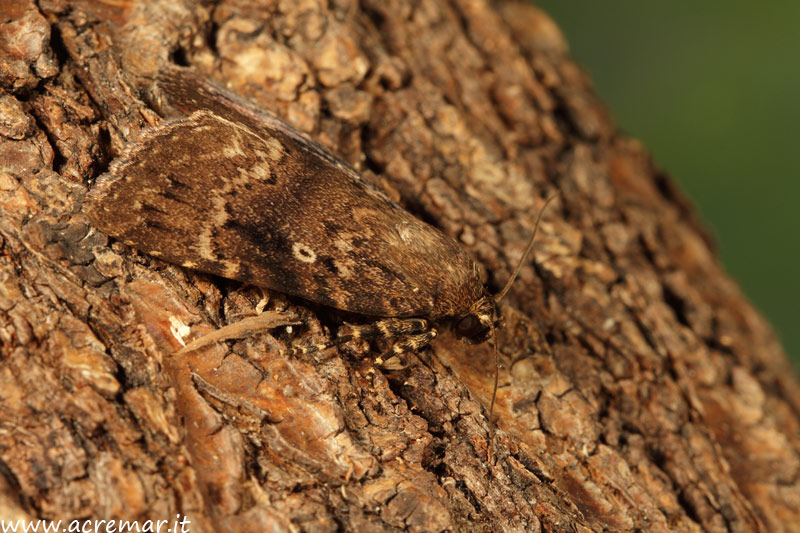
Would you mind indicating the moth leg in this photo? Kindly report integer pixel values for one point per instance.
(387, 328)
(408, 343)
(312, 348)
(412, 343)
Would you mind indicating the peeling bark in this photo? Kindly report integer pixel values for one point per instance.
(639, 391)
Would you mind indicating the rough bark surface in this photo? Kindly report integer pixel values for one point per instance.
(639, 391)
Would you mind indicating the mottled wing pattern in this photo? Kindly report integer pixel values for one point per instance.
(236, 193)
(190, 93)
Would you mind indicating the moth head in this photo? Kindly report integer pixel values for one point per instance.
(476, 325)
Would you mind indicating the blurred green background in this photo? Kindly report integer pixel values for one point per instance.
(713, 90)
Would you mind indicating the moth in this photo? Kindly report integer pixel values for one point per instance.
(236, 192)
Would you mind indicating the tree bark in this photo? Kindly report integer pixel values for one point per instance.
(639, 389)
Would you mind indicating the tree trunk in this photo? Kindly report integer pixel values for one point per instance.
(639, 389)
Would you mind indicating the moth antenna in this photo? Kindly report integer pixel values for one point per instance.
(496, 384)
(527, 250)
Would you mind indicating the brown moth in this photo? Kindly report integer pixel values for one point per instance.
(234, 191)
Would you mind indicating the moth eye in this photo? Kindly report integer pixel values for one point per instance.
(467, 325)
